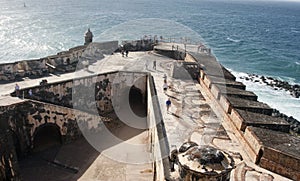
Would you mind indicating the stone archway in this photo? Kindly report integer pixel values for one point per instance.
(46, 136)
(137, 102)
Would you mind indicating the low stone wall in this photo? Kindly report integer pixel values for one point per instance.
(91, 94)
(242, 119)
(279, 152)
(254, 144)
(158, 137)
(62, 62)
(174, 54)
(139, 45)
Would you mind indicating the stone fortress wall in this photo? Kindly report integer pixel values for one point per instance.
(54, 104)
(268, 140)
(62, 62)
(252, 121)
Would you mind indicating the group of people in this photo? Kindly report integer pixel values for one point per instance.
(17, 90)
(126, 52)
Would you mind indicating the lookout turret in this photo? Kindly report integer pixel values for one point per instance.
(88, 36)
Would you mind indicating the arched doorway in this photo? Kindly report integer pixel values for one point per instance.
(137, 102)
(46, 136)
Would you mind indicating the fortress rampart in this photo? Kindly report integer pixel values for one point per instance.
(267, 140)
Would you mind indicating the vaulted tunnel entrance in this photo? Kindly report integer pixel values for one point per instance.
(137, 101)
(46, 136)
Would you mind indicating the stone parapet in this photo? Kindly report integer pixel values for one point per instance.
(280, 152)
(219, 90)
(242, 119)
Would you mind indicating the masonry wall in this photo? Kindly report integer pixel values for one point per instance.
(159, 144)
(267, 157)
(19, 123)
(62, 62)
(91, 94)
(177, 55)
(9, 169)
(254, 144)
(280, 163)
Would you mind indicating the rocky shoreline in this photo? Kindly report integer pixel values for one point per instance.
(293, 89)
(294, 123)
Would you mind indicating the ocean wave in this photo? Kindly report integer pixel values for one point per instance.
(233, 40)
(278, 99)
(295, 30)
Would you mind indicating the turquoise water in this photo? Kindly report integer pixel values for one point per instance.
(246, 36)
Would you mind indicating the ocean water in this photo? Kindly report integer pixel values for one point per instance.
(261, 37)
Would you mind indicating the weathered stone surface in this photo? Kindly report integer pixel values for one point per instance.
(253, 106)
(226, 82)
(212, 67)
(234, 92)
(281, 152)
(246, 118)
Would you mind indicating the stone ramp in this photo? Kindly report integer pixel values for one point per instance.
(122, 164)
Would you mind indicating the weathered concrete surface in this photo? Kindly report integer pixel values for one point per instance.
(242, 119)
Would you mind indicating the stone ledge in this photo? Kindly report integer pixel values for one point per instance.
(242, 119)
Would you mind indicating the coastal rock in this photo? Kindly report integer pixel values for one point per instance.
(276, 84)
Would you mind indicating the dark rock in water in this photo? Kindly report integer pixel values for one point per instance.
(294, 123)
(276, 84)
(187, 145)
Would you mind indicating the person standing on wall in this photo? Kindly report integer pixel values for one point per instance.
(168, 104)
(17, 89)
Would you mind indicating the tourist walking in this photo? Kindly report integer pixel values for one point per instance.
(154, 64)
(30, 92)
(126, 53)
(165, 77)
(146, 64)
(168, 104)
(165, 86)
